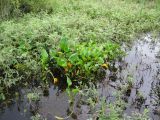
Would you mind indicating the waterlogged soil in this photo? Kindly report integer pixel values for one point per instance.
(141, 66)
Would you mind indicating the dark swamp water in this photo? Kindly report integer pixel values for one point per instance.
(141, 65)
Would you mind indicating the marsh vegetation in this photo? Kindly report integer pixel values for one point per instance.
(79, 59)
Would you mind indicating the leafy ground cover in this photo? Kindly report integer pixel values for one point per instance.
(77, 38)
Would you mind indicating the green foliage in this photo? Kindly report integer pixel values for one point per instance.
(44, 59)
(138, 116)
(69, 82)
(33, 96)
(64, 45)
(108, 109)
(2, 96)
(38, 117)
(82, 61)
(89, 27)
(15, 8)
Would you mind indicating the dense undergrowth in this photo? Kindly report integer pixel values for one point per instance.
(16, 8)
(76, 37)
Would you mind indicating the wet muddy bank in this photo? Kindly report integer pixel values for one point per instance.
(137, 76)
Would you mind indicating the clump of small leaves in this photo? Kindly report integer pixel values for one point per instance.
(80, 62)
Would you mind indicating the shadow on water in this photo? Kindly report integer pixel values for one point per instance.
(141, 66)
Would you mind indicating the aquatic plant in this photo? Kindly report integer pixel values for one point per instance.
(80, 63)
(33, 48)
